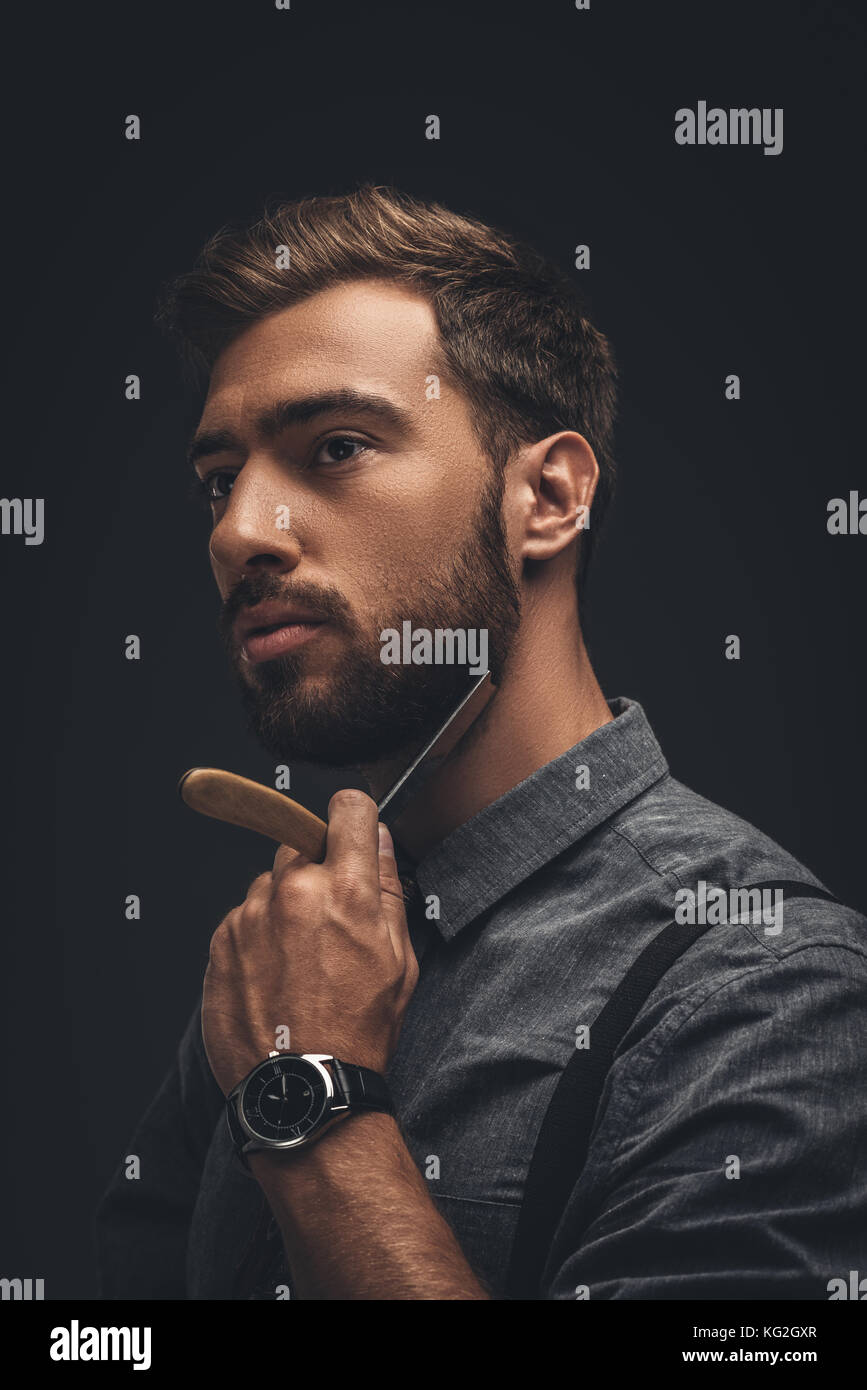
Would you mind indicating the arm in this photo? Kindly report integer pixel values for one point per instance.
(736, 1168)
(357, 1221)
(141, 1224)
(323, 949)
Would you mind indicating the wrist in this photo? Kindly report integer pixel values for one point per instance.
(343, 1150)
(353, 1053)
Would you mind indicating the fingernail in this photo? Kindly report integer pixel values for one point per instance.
(386, 844)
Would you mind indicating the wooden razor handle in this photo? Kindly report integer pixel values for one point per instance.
(228, 797)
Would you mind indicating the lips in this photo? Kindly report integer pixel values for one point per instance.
(270, 629)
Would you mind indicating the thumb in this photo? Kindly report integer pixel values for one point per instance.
(393, 902)
(389, 879)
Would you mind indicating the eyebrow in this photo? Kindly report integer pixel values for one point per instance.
(278, 417)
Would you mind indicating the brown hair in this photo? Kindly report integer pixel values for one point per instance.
(514, 335)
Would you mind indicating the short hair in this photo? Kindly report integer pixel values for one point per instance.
(514, 334)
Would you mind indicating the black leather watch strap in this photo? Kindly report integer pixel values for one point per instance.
(362, 1088)
(239, 1138)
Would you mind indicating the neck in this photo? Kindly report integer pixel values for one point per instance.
(548, 701)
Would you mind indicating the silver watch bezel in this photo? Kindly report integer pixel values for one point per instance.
(332, 1111)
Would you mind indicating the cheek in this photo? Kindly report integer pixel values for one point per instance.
(383, 564)
(430, 516)
(382, 542)
(391, 543)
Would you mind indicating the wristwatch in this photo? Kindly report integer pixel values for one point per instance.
(291, 1098)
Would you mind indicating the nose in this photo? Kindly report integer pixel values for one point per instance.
(254, 532)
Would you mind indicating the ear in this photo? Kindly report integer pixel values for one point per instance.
(556, 479)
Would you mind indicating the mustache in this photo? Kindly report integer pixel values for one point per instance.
(253, 589)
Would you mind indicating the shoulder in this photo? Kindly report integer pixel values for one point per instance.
(684, 841)
(769, 994)
(682, 834)
(688, 855)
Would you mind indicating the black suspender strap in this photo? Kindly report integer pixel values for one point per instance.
(564, 1136)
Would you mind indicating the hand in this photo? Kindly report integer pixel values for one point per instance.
(322, 948)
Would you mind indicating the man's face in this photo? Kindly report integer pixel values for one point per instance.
(362, 516)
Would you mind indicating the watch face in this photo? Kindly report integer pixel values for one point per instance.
(284, 1100)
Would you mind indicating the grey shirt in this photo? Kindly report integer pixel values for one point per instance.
(727, 1158)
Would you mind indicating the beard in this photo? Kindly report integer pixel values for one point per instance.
(369, 711)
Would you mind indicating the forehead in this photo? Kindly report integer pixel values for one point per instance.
(370, 334)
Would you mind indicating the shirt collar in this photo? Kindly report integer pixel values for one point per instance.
(478, 863)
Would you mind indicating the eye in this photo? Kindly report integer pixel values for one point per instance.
(335, 449)
(214, 487)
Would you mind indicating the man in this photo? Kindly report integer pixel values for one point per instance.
(408, 420)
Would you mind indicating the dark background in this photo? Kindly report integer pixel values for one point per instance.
(558, 125)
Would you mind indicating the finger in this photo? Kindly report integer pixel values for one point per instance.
(393, 904)
(285, 857)
(351, 850)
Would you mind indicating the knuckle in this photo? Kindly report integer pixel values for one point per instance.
(352, 894)
(298, 887)
(227, 923)
(248, 917)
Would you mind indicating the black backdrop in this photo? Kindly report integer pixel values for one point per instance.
(558, 124)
